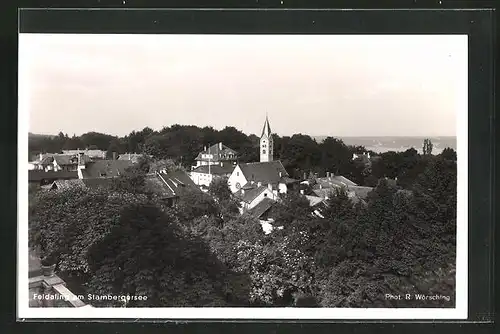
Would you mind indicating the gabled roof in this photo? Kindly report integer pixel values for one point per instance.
(105, 168)
(67, 184)
(169, 185)
(63, 159)
(39, 175)
(218, 153)
(248, 196)
(215, 169)
(314, 200)
(265, 172)
(264, 205)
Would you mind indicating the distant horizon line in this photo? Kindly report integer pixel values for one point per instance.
(286, 135)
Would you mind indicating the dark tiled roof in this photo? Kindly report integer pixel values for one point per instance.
(265, 172)
(264, 205)
(67, 184)
(169, 184)
(249, 195)
(215, 169)
(217, 153)
(107, 168)
(63, 159)
(39, 175)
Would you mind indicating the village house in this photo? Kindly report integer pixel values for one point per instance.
(250, 195)
(255, 182)
(57, 162)
(102, 168)
(203, 175)
(170, 186)
(217, 154)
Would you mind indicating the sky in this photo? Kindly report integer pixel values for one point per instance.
(320, 85)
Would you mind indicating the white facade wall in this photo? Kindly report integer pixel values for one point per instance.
(282, 188)
(201, 179)
(236, 177)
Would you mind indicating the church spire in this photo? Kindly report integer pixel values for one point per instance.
(266, 130)
(266, 143)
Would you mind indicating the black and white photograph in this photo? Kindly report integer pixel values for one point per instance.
(243, 176)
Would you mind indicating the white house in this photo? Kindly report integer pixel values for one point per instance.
(216, 154)
(250, 196)
(266, 173)
(203, 175)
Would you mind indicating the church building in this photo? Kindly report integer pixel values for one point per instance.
(264, 179)
(266, 143)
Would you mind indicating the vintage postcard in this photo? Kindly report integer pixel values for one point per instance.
(242, 176)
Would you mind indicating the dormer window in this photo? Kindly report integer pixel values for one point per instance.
(102, 173)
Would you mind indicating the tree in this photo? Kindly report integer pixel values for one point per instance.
(427, 149)
(449, 154)
(219, 189)
(147, 254)
(68, 222)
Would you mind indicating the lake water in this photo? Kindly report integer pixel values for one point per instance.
(385, 144)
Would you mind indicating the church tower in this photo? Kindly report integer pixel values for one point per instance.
(266, 143)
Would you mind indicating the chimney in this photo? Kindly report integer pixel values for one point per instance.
(368, 155)
(204, 148)
(280, 174)
(259, 184)
(305, 176)
(269, 186)
(114, 155)
(243, 191)
(302, 191)
(41, 156)
(220, 146)
(320, 186)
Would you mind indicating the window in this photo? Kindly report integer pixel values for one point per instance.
(265, 194)
(263, 151)
(237, 173)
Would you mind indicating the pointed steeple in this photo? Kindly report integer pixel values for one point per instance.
(266, 143)
(266, 130)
